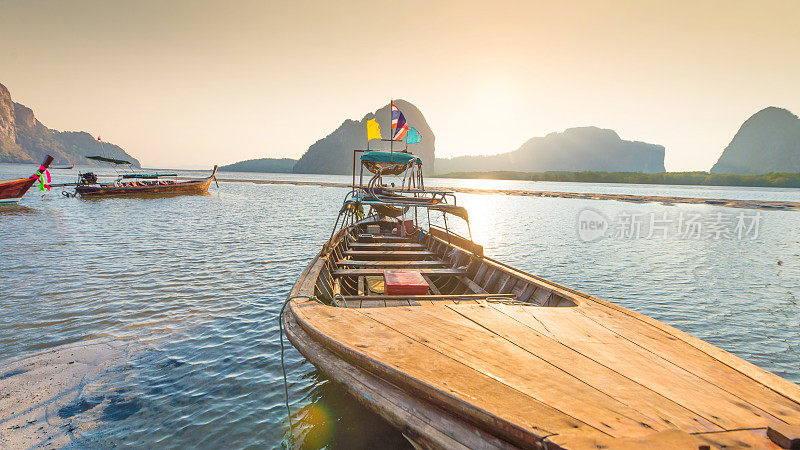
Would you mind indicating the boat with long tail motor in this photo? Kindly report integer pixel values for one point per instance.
(458, 350)
(129, 183)
(135, 184)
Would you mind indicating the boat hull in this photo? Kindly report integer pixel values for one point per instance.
(193, 187)
(12, 191)
(422, 426)
(9, 201)
(480, 372)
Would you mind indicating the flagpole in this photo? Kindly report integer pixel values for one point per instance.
(391, 131)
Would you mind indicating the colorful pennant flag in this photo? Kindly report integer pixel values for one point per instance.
(413, 136)
(399, 125)
(373, 130)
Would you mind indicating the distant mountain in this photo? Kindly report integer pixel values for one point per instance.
(769, 141)
(333, 154)
(23, 139)
(576, 149)
(267, 165)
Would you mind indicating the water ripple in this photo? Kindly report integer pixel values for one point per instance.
(200, 280)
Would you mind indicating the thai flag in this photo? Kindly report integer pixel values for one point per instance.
(399, 125)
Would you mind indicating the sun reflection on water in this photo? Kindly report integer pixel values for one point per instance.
(482, 219)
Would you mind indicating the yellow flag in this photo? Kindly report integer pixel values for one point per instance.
(373, 130)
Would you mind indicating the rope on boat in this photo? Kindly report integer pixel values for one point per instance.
(283, 365)
(337, 303)
(505, 301)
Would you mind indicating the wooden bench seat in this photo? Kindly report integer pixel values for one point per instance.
(356, 302)
(379, 272)
(380, 238)
(390, 264)
(427, 297)
(387, 246)
(388, 254)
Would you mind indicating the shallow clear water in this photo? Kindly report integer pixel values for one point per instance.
(201, 279)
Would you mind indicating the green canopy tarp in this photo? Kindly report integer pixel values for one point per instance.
(388, 163)
(389, 157)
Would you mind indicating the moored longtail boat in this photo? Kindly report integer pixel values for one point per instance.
(12, 191)
(141, 185)
(489, 356)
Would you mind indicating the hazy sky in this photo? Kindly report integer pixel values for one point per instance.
(191, 83)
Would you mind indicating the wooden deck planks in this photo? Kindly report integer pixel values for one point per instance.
(397, 302)
(431, 427)
(673, 439)
(350, 303)
(454, 335)
(602, 378)
(376, 303)
(462, 301)
(774, 382)
(462, 390)
(697, 362)
(739, 439)
(570, 327)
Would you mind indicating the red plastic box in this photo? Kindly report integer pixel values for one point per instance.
(404, 282)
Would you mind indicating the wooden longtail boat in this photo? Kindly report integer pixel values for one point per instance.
(11, 191)
(494, 357)
(142, 185)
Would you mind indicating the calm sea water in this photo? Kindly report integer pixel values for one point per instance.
(201, 279)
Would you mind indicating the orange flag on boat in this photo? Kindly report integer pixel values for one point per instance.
(373, 130)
